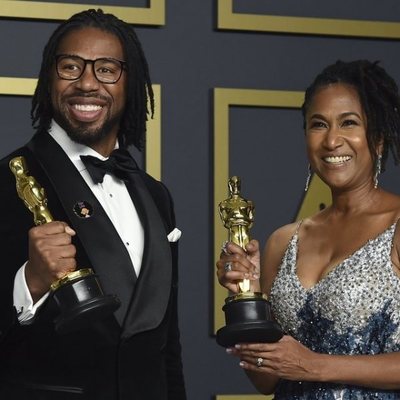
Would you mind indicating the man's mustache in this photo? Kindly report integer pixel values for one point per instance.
(88, 95)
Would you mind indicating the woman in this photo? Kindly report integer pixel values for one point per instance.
(333, 279)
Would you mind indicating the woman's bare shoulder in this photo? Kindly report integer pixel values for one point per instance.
(277, 243)
(280, 238)
(273, 254)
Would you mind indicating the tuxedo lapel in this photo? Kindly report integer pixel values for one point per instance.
(153, 287)
(107, 254)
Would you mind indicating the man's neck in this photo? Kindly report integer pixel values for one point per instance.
(105, 147)
(71, 147)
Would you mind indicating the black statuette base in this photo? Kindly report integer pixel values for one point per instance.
(248, 320)
(82, 302)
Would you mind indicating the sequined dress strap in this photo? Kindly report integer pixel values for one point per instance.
(290, 255)
(296, 232)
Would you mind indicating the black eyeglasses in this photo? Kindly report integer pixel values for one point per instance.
(106, 70)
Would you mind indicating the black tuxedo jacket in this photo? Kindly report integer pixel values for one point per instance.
(134, 354)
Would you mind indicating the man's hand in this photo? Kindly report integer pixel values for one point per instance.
(51, 256)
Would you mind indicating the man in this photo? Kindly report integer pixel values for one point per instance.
(91, 98)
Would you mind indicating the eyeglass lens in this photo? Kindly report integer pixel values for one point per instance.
(106, 70)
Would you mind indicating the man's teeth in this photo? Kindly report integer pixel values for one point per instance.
(337, 159)
(87, 107)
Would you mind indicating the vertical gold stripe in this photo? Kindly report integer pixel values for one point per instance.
(221, 173)
(153, 138)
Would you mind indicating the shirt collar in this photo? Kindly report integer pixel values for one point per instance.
(73, 149)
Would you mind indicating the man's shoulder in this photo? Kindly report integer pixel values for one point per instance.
(162, 198)
(21, 151)
(155, 187)
(30, 159)
(5, 161)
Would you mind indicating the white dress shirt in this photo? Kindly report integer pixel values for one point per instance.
(117, 203)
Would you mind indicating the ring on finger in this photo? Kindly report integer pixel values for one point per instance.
(259, 362)
(223, 247)
(228, 267)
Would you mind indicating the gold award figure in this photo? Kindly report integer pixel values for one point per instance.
(237, 215)
(78, 294)
(30, 192)
(248, 315)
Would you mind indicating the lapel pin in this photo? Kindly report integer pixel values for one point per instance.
(83, 209)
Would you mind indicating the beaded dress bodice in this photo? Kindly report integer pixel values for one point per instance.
(355, 309)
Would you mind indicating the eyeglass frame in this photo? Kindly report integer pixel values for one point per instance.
(87, 61)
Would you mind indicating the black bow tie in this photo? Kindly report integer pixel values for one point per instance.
(120, 164)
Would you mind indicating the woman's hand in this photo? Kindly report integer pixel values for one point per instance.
(287, 359)
(236, 264)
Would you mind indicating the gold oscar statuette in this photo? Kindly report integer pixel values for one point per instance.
(247, 314)
(78, 294)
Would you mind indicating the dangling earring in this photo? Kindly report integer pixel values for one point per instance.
(308, 178)
(378, 166)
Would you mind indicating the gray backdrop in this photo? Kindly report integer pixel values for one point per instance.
(189, 57)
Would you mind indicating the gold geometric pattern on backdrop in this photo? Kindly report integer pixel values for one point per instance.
(227, 19)
(152, 15)
(317, 194)
(224, 98)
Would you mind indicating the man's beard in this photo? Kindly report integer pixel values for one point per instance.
(84, 134)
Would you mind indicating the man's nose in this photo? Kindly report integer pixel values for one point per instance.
(88, 80)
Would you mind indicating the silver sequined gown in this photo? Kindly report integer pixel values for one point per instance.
(355, 309)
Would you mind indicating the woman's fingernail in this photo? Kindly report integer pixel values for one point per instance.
(237, 346)
(242, 364)
(229, 350)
